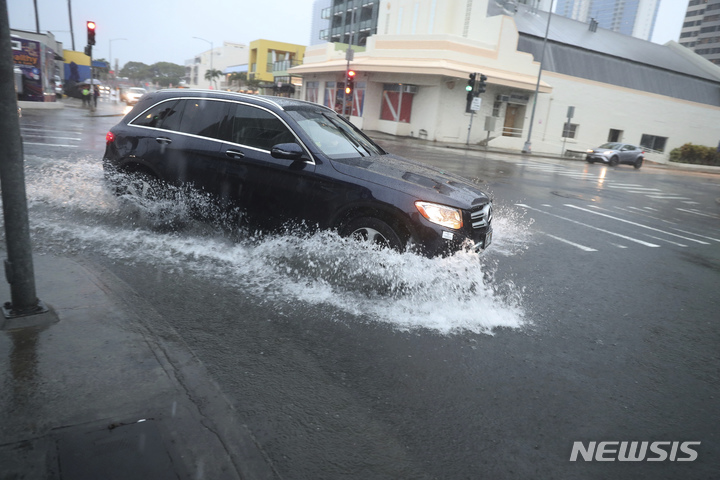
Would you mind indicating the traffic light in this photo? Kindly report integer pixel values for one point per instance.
(481, 85)
(88, 50)
(349, 82)
(471, 83)
(91, 33)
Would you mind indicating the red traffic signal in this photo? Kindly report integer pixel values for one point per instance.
(91, 33)
(349, 81)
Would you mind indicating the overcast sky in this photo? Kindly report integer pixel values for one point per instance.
(163, 31)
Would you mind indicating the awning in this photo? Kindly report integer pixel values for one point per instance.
(424, 67)
(236, 69)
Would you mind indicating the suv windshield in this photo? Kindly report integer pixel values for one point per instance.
(333, 136)
(611, 146)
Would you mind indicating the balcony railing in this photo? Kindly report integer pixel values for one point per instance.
(284, 66)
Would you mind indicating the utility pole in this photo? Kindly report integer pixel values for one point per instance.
(527, 148)
(19, 264)
(72, 32)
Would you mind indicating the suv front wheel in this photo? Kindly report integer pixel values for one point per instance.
(373, 231)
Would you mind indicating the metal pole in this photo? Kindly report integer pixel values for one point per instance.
(72, 32)
(527, 147)
(472, 114)
(19, 264)
(211, 55)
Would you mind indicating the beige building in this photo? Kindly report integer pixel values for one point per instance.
(412, 76)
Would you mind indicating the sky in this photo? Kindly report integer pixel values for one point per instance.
(151, 31)
(163, 31)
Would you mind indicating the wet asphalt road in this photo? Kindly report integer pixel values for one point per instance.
(615, 272)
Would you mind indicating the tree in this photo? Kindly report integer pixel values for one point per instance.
(136, 71)
(165, 73)
(212, 74)
(239, 77)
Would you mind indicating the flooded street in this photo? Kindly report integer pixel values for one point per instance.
(592, 316)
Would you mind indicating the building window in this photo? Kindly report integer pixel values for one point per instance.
(358, 100)
(569, 130)
(653, 142)
(311, 91)
(496, 108)
(397, 103)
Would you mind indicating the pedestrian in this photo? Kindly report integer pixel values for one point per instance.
(96, 94)
(85, 95)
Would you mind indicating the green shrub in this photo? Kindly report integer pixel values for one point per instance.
(696, 154)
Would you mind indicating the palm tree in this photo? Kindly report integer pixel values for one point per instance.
(239, 77)
(212, 74)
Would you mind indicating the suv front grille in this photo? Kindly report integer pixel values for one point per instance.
(482, 217)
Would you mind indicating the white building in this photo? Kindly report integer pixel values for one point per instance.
(217, 58)
(412, 76)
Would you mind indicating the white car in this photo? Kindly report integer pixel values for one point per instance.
(133, 94)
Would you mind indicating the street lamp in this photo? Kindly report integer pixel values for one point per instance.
(211, 52)
(527, 146)
(110, 52)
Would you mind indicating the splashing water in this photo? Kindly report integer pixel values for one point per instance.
(73, 211)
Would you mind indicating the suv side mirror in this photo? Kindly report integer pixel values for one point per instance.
(289, 151)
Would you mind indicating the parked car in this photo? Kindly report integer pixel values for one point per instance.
(131, 95)
(57, 83)
(282, 159)
(614, 153)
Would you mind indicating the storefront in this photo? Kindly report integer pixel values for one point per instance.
(36, 65)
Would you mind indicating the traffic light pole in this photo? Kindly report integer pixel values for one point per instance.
(19, 269)
(472, 114)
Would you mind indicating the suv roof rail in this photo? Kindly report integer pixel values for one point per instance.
(225, 92)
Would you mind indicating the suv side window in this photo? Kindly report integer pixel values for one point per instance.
(203, 117)
(257, 128)
(158, 115)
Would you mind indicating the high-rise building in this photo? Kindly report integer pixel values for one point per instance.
(344, 21)
(630, 17)
(701, 29)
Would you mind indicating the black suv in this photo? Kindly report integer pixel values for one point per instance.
(284, 160)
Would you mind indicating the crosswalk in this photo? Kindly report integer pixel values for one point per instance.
(592, 228)
(40, 135)
(597, 176)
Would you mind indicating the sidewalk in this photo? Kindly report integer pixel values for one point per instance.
(106, 389)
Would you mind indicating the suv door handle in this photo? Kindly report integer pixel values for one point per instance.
(234, 154)
(163, 140)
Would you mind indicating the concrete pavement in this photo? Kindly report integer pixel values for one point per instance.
(105, 388)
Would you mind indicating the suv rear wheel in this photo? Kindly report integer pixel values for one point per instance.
(374, 231)
(638, 163)
(139, 184)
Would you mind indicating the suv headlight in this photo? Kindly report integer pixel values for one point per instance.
(609, 153)
(440, 214)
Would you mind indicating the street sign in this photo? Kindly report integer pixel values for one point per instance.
(475, 105)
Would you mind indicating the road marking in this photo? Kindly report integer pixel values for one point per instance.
(665, 240)
(637, 188)
(50, 144)
(667, 197)
(640, 211)
(641, 242)
(51, 136)
(636, 224)
(577, 245)
(697, 235)
(698, 213)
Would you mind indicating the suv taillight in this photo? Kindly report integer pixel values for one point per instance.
(109, 138)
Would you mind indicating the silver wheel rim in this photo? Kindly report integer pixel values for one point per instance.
(369, 235)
